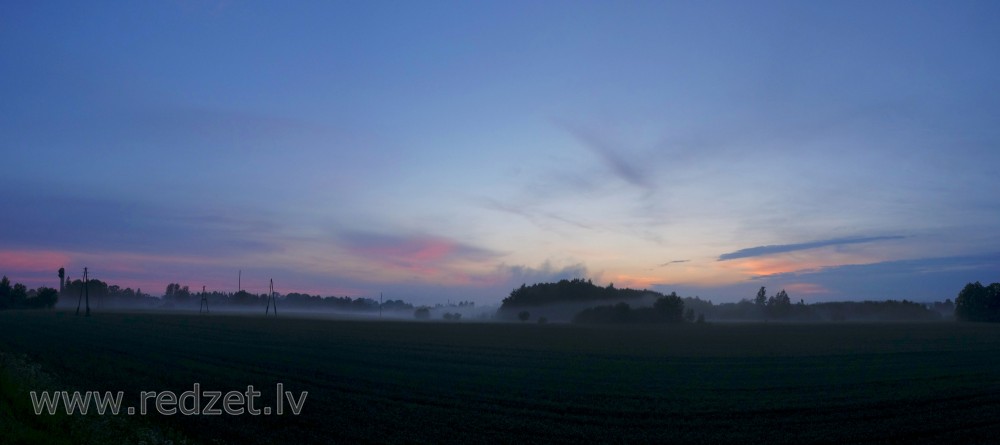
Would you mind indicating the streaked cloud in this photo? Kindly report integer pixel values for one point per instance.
(625, 167)
(674, 262)
(783, 248)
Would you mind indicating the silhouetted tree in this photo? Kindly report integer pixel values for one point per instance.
(18, 296)
(670, 308)
(523, 315)
(689, 315)
(779, 305)
(978, 303)
(5, 291)
(177, 293)
(44, 298)
(761, 299)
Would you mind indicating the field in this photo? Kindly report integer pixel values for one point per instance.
(513, 383)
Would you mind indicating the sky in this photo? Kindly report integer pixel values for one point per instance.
(442, 150)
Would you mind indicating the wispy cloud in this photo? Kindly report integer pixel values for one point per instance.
(624, 167)
(539, 218)
(673, 262)
(782, 248)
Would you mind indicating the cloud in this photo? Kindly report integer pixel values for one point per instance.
(539, 218)
(546, 273)
(625, 168)
(419, 257)
(673, 262)
(410, 248)
(32, 267)
(782, 248)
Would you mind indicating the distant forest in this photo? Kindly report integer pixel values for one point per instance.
(175, 296)
(577, 300)
(581, 301)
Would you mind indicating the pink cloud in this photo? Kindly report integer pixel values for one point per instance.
(410, 250)
(419, 257)
(33, 268)
(27, 260)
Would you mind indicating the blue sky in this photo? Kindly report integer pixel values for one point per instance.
(454, 150)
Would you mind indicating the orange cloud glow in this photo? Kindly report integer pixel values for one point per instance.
(805, 289)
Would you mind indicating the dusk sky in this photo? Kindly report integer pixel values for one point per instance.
(436, 150)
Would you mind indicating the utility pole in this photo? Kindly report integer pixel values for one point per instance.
(204, 301)
(380, 305)
(84, 291)
(270, 299)
(86, 288)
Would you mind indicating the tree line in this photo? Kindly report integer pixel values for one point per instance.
(666, 309)
(178, 296)
(103, 294)
(583, 301)
(18, 296)
(779, 307)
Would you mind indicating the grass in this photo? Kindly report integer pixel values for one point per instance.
(470, 382)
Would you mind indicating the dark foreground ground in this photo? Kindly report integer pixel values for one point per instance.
(513, 383)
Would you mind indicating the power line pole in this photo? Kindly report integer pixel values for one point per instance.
(84, 291)
(204, 301)
(270, 299)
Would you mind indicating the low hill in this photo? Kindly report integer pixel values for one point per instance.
(562, 300)
(571, 291)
